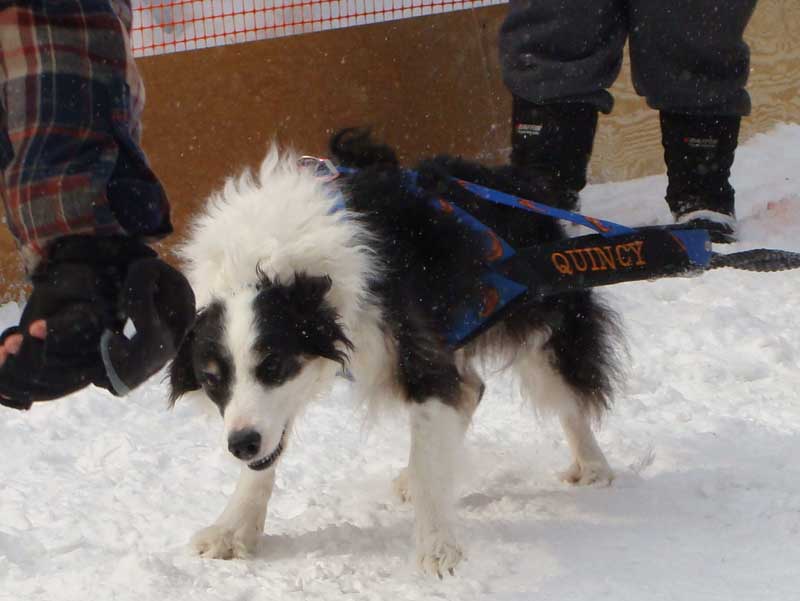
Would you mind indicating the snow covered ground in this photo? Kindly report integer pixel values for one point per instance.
(99, 495)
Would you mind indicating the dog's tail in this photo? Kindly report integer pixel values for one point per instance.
(354, 147)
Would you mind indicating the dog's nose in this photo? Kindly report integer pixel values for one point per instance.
(244, 444)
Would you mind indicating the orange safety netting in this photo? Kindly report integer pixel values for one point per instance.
(163, 26)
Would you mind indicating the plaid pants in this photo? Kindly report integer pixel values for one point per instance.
(70, 118)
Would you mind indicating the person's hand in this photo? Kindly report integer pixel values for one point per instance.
(73, 329)
(12, 339)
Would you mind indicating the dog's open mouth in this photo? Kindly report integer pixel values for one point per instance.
(267, 461)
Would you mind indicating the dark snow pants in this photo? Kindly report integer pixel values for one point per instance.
(687, 56)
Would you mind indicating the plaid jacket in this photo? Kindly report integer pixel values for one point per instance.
(70, 107)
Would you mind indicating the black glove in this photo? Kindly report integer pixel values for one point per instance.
(86, 290)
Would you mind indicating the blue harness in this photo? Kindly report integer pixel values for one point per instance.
(583, 256)
(616, 253)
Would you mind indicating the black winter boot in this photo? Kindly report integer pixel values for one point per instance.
(550, 147)
(698, 151)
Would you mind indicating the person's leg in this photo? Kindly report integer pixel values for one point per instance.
(699, 152)
(690, 62)
(567, 51)
(70, 120)
(558, 60)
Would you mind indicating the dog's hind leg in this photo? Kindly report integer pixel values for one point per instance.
(543, 384)
(237, 531)
(589, 465)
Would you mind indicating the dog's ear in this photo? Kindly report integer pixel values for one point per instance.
(307, 293)
(181, 371)
(321, 331)
(302, 307)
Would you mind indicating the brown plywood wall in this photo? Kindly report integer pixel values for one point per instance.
(426, 85)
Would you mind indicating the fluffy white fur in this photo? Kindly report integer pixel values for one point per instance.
(281, 221)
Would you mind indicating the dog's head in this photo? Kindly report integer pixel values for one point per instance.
(260, 354)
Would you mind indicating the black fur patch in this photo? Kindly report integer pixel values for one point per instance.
(181, 376)
(355, 147)
(294, 322)
(204, 361)
(584, 342)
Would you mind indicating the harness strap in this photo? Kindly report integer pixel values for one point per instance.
(615, 254)
(594, 260)
(601, 226)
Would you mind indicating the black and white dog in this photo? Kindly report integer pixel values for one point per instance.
(293, 286)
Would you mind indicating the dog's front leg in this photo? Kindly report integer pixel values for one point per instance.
(437, 431)
(237, 531)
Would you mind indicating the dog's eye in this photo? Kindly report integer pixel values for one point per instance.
(270, 368)
(275, 369)
(210, 378)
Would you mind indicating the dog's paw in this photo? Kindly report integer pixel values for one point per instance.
(438, 555)
(401, 487)
(597, 473)
(223, 542)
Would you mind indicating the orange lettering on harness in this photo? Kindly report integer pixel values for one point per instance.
(606, 257)
(637, 248)
(629, 253)
(578, 260)
(561, 263)
(599, 258)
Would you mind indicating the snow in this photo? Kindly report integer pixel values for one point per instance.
(100, 494)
